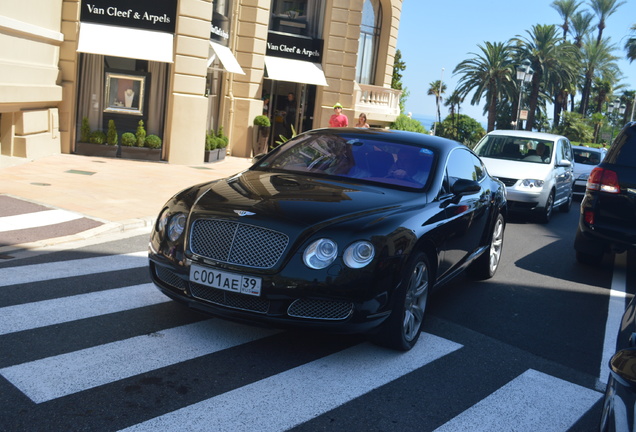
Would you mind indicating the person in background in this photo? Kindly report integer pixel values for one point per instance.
(337, 118)
(362, 121)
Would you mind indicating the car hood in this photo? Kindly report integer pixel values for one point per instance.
(517, 169)
(294, 199)
(580, 168)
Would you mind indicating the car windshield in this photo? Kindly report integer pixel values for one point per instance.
(587, 156)
(353, 157)
(515, 148)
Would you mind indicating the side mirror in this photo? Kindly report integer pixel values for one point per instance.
(623, 367)
(465, 187)
(564, 163)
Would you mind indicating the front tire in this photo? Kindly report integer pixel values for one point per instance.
(486, 265)
(403, 327)
(546, 215)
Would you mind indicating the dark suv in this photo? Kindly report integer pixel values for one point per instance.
(608, 210)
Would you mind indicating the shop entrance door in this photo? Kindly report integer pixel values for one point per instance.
(290, 105)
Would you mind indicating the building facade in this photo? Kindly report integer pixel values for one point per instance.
(183, 68)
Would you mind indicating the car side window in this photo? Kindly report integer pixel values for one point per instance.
(462, 164)
(564, 151)
(568, 150)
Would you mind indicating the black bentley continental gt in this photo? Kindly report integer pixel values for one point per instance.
(342, 230)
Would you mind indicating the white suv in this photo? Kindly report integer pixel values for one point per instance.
(537, 169)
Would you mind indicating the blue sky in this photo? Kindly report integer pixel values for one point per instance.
(440, 34)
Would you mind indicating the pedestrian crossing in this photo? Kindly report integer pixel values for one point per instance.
(26, 222)
(278, 400)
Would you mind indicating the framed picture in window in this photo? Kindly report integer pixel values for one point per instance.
(124, 93)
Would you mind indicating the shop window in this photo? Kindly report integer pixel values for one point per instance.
(103, 81)
(299, 17)
(368, 42)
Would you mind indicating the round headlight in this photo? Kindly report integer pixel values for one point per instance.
(359, 254)
(320, 254)
(532, 183)
(176, 226)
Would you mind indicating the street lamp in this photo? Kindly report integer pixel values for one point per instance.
(621, 111)
(524, 75)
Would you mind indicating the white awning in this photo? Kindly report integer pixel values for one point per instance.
(226, 58)
(282, 69)
(125, 42)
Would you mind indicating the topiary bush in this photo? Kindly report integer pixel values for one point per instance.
(85, 131)
(153, 141)
(262, 120)
(128, 139)
(111, 136)
(210, 141)
(97, 137)
(222, 139)
(140, 134)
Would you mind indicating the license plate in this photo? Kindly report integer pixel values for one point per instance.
(225, 280)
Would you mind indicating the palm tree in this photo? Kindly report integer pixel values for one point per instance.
(597, 59)
(630, 45)
(487, 74)
(454, 100)
(581, 26)
(437, 89)
(566, 8)
(554, 63)
(603, 9)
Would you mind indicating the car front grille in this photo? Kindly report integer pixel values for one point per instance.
(169, 277)
(300, 308)
(229, 299)
(320, 309)
(237, 243)
(508, 181)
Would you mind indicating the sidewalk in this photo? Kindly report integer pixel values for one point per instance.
(118, 192)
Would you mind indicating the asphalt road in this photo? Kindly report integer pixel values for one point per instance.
(86, 343)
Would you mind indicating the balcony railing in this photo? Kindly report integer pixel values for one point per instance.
(380, 104)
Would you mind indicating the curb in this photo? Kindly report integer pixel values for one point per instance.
(6, 252)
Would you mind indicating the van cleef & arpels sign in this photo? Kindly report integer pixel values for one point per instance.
(159, 15)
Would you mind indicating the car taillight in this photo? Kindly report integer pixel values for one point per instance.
(603, 180)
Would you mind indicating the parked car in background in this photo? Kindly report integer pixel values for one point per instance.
(620, 393)
(585, 158)
(537, 169)
(608, 210)
(343, 230)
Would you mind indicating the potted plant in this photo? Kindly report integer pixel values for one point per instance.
(264, 125)
(211, 155)
(222, 143)
(128, 139)
(93, 143)
(140, 134)
(85, 131)
(111, 136)
(150, 149)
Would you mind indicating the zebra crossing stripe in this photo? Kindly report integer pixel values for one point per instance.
(615, 309)
(533, 401)
(49, 312)
(65, 374)
(36, 219)
(303, 393)
(79, 267)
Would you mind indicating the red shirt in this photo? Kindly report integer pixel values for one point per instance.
(338, 120)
